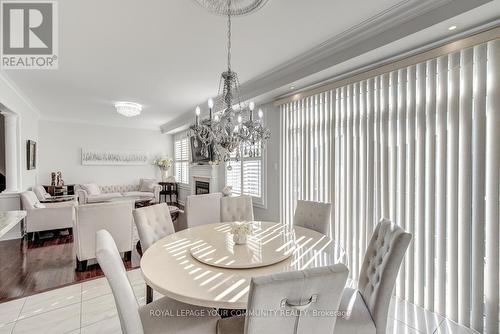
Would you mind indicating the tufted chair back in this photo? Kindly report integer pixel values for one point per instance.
(153, 223)
(236, 209)
(380, 268)
(308, 291)
(313, 215)
(203, 209)
(111, 264)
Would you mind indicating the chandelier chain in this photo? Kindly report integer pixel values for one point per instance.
(233, 132)
(229, 35)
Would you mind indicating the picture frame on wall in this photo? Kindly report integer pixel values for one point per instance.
(30, 154)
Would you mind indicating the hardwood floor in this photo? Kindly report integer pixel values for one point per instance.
(29, 267)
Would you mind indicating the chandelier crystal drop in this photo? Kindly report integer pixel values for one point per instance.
(231, 125)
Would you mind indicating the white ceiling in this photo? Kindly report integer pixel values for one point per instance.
(167, 55)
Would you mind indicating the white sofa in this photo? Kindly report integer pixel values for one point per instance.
(47, 216)
(93, 193)
(115, 217)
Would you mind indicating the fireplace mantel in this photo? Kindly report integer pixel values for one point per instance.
(207, 173)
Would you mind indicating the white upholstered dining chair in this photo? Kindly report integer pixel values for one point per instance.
(238, 208)
(203, 209)
(310, 290)
(367, 307)
(153, 223)
(157, 317)
(313, 215)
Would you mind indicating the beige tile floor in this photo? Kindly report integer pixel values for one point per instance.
(89, 307)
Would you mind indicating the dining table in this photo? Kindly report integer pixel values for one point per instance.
(203, 266)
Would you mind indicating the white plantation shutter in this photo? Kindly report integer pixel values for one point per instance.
(251, 178)
(181, 157)
(420, 146)
(245, 176)
(233, 177)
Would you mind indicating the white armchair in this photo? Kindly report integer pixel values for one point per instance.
(115, 217)
(43, 217)
(41, 193)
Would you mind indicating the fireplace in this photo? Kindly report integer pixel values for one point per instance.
(201, 187)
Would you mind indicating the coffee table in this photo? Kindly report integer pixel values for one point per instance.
(140, 202)
(58, 199)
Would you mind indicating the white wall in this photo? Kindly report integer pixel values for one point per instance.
(272, 184)
(13, 100)
(2, 147)
(60, 147)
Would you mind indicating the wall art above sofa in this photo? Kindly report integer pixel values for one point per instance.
(113, 157)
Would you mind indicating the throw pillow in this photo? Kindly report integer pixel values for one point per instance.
(147, 185)
(91, 188)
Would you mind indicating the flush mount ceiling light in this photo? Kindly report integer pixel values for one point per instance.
(452, 28)
(128, 109)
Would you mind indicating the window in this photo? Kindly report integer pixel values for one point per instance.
(245, 176)
(181, 163)
(413, 146)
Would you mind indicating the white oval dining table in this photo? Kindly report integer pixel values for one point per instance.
(169, 267)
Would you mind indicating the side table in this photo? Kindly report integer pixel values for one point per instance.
(168, 189)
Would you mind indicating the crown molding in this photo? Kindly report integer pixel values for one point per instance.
(101, 124)
(394, 23)
(4, 77)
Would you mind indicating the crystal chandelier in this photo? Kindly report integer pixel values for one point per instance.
(231, 125)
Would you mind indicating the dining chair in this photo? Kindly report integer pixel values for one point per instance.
(313, 215)
(153, 223)
(203, 209)
(164, 315)
(291, 303)
(238, 208)
(366, 308)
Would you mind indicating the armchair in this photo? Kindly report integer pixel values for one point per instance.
(43, 217)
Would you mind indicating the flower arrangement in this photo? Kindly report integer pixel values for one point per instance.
(163, 163)
(241, 228)
(240, 232)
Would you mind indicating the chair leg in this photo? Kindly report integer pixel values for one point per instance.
(149, 294)
(81, 265)
(127, 256)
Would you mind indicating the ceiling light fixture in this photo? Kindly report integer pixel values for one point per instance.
(292, 87)
(230, 131)
(128, 109)
(452, 28)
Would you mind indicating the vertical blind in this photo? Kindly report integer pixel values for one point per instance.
(421, 147)
(181, 160)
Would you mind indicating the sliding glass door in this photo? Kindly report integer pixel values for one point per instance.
(419, 145)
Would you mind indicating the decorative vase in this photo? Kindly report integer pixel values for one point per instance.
(227, 191)
(240, 239)
(164, 174)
